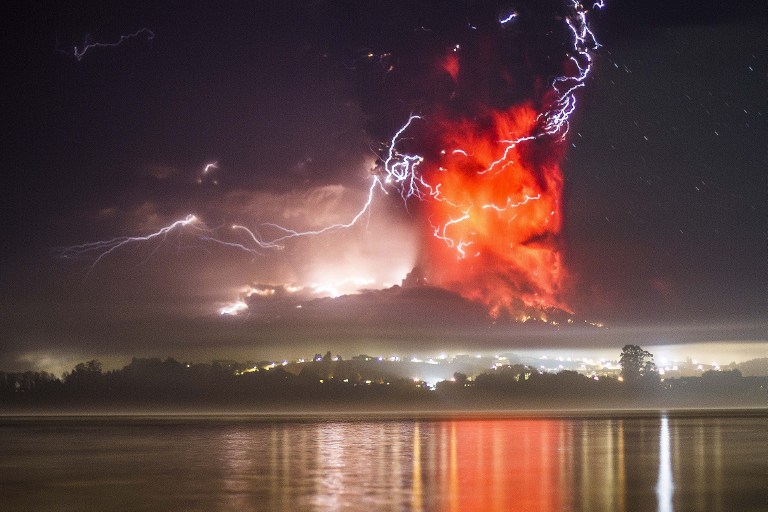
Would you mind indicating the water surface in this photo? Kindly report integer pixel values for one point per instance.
(648, 462)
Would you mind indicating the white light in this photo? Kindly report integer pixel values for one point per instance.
(233, 309)
(664, 485)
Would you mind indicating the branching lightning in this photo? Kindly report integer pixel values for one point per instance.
(190, 226)
(465, 213)
(78, 52)
(102, 249)
(376, 184)
(403, 170)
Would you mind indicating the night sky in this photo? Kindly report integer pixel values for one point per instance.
(662, 208)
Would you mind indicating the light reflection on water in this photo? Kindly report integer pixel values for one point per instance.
(660, 463)
(664, 485)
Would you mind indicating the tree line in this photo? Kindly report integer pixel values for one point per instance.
(327, 382)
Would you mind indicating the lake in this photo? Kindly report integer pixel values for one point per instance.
(631, 461)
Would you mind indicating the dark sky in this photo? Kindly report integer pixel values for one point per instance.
(663, 206)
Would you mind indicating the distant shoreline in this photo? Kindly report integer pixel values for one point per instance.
(346, 415)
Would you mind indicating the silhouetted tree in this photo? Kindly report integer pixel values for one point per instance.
(721, 382)
(460, 378)
(29, 381)
(309, 373)
(85, 377)
(92, 367)
(635, 363)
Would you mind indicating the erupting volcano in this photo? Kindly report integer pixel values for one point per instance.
(485, 163)
(487, 94)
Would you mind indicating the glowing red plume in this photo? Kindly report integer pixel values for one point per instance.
(498, 213)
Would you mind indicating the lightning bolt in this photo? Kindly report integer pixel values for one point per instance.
(102, 249)
(376, 184)
(584, 42)
(399, 171)
(509, 18)
(79, 52)
(190, 225)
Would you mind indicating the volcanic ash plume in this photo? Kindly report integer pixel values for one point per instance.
(495, 218)
(489, 146)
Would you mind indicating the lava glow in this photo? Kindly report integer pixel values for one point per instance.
(497, 214)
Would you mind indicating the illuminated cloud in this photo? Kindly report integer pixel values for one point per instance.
(219, 262)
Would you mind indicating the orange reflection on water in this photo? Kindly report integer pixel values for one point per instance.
(507, 465)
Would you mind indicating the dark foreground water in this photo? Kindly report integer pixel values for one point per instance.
(634, 463)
